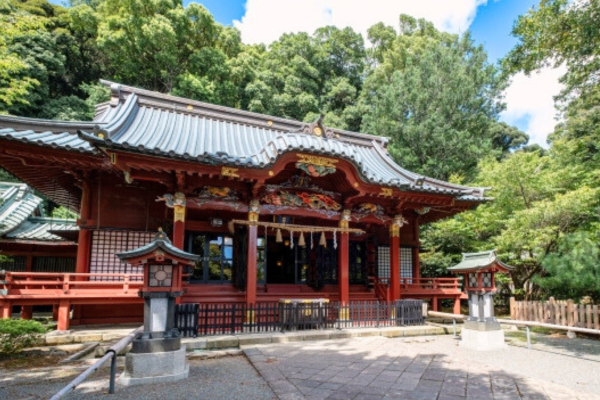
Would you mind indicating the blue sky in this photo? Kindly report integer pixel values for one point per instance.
(529, 100)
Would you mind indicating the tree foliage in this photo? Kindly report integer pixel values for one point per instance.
(437, 97)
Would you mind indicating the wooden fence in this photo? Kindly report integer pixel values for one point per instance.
(557, 312)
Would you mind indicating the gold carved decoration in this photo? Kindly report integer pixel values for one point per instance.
(113, 158)
(230, 172)
(177, 202)
(253, 210)
(345, 220)
(387, 192)
(271, 173)
(398, 223)
(179, 213)
(317, 160)
(317, 131)
(190, 107)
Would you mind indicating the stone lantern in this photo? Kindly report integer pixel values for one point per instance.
(481, 330)
(157, 354)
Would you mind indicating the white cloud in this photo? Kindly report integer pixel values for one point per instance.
(530, 103)
(266, 20)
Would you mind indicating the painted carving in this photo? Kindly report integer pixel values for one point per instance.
(214, 192)
(370, 208)
(177, 202)
(300, 181)
(172, 200)
(316, 166)
(302, 199)
(423, 210)
(386, 192)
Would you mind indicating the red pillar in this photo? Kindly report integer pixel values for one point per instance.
(83, 250)
(394, 266)
(64, 308)
(251, 270)
(416, 269)
(178, 234)
(82, 265)
(5, 309)
(26, 312)
(434, 303)
(456, 309)
(343, 266)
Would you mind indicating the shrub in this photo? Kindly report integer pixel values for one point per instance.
(16, 334)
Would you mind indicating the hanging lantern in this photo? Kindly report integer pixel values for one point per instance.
(278, 237)
(323, 241)
(335, 239)
(301, 241)
(291, 240)
(311, 240)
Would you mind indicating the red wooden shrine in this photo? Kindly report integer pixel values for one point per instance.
(151, 161)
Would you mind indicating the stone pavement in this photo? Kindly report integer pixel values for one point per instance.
(410, 368)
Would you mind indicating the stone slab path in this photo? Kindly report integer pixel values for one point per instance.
(430, 368)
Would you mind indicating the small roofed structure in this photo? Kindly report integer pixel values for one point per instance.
(479, 269)
(481, 330)
(157, 354)
(158, 251)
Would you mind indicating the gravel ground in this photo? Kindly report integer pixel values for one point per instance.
(223, 378)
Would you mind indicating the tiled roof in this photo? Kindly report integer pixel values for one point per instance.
(161, 242)
(41, 228)
(17, 220)
(152, 123)
(17, 203)
(476, 261)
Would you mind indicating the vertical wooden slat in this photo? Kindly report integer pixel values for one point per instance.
(596, 316)
(570, 313)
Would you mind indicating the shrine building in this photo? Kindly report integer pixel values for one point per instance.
(275, 208)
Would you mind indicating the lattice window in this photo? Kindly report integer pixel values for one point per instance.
(383, 262)
(486, 280)
(104, 246)
(14, 264)
(472, 279)
(406, 262)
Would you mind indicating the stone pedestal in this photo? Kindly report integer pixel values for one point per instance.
(144, 368)
(482, 340)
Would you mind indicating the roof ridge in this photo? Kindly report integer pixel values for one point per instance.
(158, 99)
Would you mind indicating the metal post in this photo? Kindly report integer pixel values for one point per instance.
(528, 337)
(454, 327)
(113, 372)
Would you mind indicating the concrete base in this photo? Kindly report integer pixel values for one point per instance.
(150, 368)
(482, 340)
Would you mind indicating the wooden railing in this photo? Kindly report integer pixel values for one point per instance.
(65, 284)
(429, 284)
(382, 290)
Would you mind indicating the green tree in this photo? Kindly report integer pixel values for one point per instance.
(437, 97)
(152, 43)
(574, 270)
(14, 82)
(560, 32)
(301, 76)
